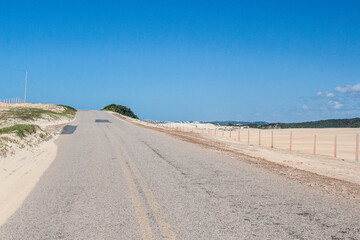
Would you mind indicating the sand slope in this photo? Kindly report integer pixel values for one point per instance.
(20, 173)
(24, 160)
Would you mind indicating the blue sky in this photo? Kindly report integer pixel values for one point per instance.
(283, 61)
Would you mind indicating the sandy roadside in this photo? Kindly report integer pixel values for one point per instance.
(20, 172)
(331, 174)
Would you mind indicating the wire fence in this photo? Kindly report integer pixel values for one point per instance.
(342, 143)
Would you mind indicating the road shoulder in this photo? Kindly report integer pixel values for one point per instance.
(335, 185)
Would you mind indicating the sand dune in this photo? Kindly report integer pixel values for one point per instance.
(27, 158)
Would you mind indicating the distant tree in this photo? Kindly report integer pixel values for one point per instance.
(121, 110)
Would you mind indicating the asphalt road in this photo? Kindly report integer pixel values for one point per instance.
(115, 180)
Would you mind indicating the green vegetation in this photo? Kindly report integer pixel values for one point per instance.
(330, 123)
(68, 109)
(35, 113)
(25, 113)
(14, 127)
(21, 130)
(120, 109)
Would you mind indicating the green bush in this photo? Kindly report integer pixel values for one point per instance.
(120, 109)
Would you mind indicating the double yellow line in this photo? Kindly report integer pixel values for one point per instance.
(130, 169)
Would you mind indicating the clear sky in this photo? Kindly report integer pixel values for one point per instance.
(267, 60)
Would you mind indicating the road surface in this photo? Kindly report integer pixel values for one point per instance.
(115, 180)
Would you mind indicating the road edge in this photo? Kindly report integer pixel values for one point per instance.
(325, 183)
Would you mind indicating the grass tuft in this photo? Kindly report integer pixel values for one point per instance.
(68, 110)
(35, 113)
(21, 130)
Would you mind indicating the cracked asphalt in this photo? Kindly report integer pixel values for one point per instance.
(115, 180)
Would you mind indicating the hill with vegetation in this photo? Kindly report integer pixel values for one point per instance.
(329, 123)
(121, 110)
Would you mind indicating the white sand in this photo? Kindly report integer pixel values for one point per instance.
(189, 125)
(20, 173)
(28, 158)
(302, 138)
(342, 169)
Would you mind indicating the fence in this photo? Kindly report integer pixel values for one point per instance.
(336, 142)
(12, 100)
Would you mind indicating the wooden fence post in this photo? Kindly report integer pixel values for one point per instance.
(259, 137)
(357, 148)
(335, 145)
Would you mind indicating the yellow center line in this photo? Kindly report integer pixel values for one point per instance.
(154, 205)
(141, 216)
(140, 212)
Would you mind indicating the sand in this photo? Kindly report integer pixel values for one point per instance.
(44, 122)
(22, 167)
(11, 143)
(50, 107)
(343, 167)
(302, 139)
(20, 173)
